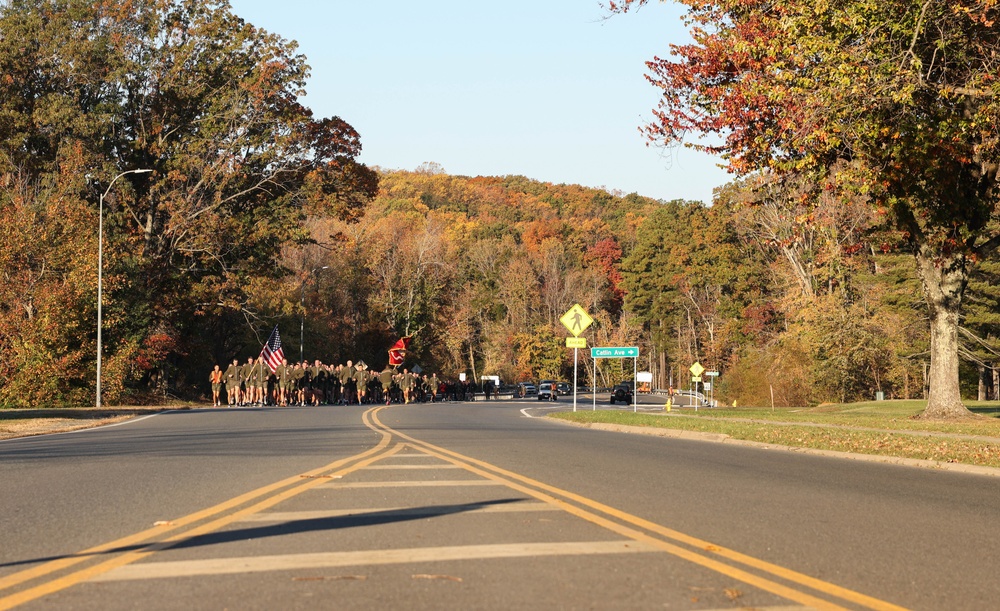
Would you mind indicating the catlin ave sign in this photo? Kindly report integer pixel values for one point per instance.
(614, 353)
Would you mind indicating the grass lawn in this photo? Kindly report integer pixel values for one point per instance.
(885, 428)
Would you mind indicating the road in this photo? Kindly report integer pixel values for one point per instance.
(482, 505)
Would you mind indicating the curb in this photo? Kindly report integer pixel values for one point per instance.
(934, 465)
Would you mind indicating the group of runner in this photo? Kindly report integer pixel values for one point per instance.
(253, 384)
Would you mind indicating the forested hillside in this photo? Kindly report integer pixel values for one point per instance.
(812, 302)
(477, 270)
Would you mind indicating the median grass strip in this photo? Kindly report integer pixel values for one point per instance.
(883, 429)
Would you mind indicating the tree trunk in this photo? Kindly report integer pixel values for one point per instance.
(944, 279)
(995, 395)
(472, 364)
(663, 382)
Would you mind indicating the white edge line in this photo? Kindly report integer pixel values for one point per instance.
(94, 428)
(545, 407)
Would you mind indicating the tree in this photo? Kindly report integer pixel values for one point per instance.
(208, 102)
(410, 269)
(905, 91)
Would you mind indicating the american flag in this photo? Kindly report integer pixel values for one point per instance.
(272, 352)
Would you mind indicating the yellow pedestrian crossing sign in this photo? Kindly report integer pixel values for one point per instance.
(576, 320)
(697, 369)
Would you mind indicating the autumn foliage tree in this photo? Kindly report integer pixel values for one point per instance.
(905, 92)
(210, 104)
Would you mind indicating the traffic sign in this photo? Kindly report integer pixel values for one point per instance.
(576, 342)
(614, 352)
(576, 320)
(697, 369)
(696, 378)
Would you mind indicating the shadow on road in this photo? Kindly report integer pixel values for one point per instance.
(374, 518)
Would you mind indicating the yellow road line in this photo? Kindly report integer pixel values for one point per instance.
(304, 482)
(493, 472)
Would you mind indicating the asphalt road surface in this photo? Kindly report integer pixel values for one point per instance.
(485, 505)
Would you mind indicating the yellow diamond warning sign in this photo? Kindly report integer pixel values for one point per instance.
(576, 320)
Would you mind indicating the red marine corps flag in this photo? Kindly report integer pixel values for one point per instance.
(398, 351)
(271, 353)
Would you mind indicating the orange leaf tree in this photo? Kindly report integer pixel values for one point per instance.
(906, 91)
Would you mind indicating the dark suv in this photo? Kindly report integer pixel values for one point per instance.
(622, 392)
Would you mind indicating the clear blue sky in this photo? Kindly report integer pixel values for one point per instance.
(549, 89)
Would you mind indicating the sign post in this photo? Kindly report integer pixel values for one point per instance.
(711, 397)
(576, 320)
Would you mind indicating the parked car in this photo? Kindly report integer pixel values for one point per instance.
(622, 392)
(547, 391)
(526, 389)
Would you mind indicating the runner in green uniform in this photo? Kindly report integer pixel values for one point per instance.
(282, 373)
(361, 381)
(299, 383)
(348, 385)
(385, 378)
(317, 373)
(246, 396)
(233, 383)
(434, 384)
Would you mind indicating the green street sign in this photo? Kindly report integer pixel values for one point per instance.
(617, 352)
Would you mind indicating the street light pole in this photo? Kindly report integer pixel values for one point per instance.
(100, 272)
(302, 308)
